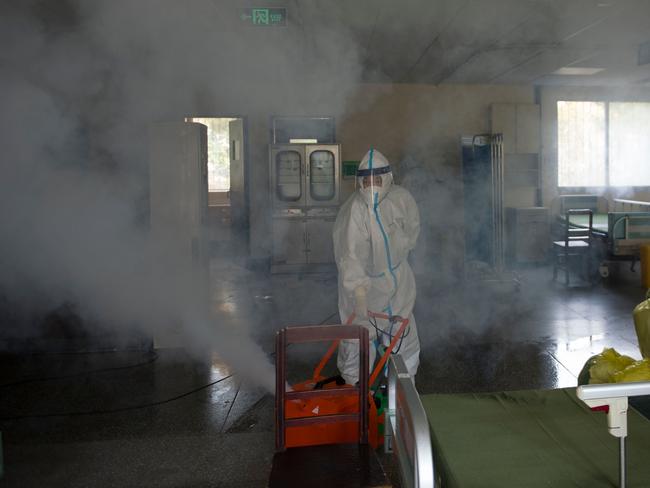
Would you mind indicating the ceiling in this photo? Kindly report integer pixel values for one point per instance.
(429, 41)
(488, 41)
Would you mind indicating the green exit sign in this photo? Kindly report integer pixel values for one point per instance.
(265, 17)
(350, 169)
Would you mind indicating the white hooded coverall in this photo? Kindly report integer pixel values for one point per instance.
(374, 231)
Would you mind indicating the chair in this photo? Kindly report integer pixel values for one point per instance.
(577, 241)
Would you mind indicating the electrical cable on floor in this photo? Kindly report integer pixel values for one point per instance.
(115, 410)
(122, 409)
(83, 373)
(230, 408)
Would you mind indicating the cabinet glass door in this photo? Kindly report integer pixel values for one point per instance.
(322, 182)
(288, 176)
(322, 175)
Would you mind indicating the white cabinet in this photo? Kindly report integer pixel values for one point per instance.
(178, 192)
(520, 125)
(527, 123)
(503, 121)
(178, 201)
(527, 234)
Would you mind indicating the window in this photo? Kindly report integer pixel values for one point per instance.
(603, 144)
(581, 143)
(629, 144)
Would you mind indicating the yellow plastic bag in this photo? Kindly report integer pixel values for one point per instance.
(638, 371)
(606, 364)
(642, 325)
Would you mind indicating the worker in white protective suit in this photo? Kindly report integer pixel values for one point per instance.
(374, 231)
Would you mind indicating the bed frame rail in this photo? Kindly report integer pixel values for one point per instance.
(622, 205)
(628, 231)
(407, 433)
(615, 398)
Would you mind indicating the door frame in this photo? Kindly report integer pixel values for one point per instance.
(246, 149)
(247, 204)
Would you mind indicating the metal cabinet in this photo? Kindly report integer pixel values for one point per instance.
(178, 191)
(289, 241)
(304, 189)
(178, 203)
(302, 239)
(320, 249)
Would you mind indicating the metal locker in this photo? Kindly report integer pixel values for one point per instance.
(289, 241)
(320, 248)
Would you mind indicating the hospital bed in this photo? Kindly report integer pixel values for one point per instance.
(620, 232)
(536, 438)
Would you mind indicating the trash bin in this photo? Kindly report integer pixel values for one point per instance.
(645, 265)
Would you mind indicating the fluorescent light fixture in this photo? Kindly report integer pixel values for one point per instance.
(303, 141)
(577, 71)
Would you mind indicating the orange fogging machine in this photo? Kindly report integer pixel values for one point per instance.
(324, 410)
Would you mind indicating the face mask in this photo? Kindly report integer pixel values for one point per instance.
(369, 196)
(374, 194)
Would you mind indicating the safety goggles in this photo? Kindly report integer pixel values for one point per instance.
(373, 171)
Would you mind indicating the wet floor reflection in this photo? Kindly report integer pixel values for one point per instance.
(218, 369)
(475, 367)
(574, 354)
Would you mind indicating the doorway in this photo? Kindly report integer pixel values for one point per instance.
(227, 185)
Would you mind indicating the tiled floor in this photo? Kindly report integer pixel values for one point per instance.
(139, 419)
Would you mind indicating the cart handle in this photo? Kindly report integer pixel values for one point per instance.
(387, 353)
(335, 344)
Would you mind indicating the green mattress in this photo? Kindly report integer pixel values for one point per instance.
(531, 439)
(600, 222)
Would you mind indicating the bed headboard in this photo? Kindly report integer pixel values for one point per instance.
(407, 432)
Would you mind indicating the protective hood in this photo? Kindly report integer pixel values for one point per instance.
(374, 164)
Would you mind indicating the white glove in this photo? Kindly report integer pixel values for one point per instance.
(360, 304)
